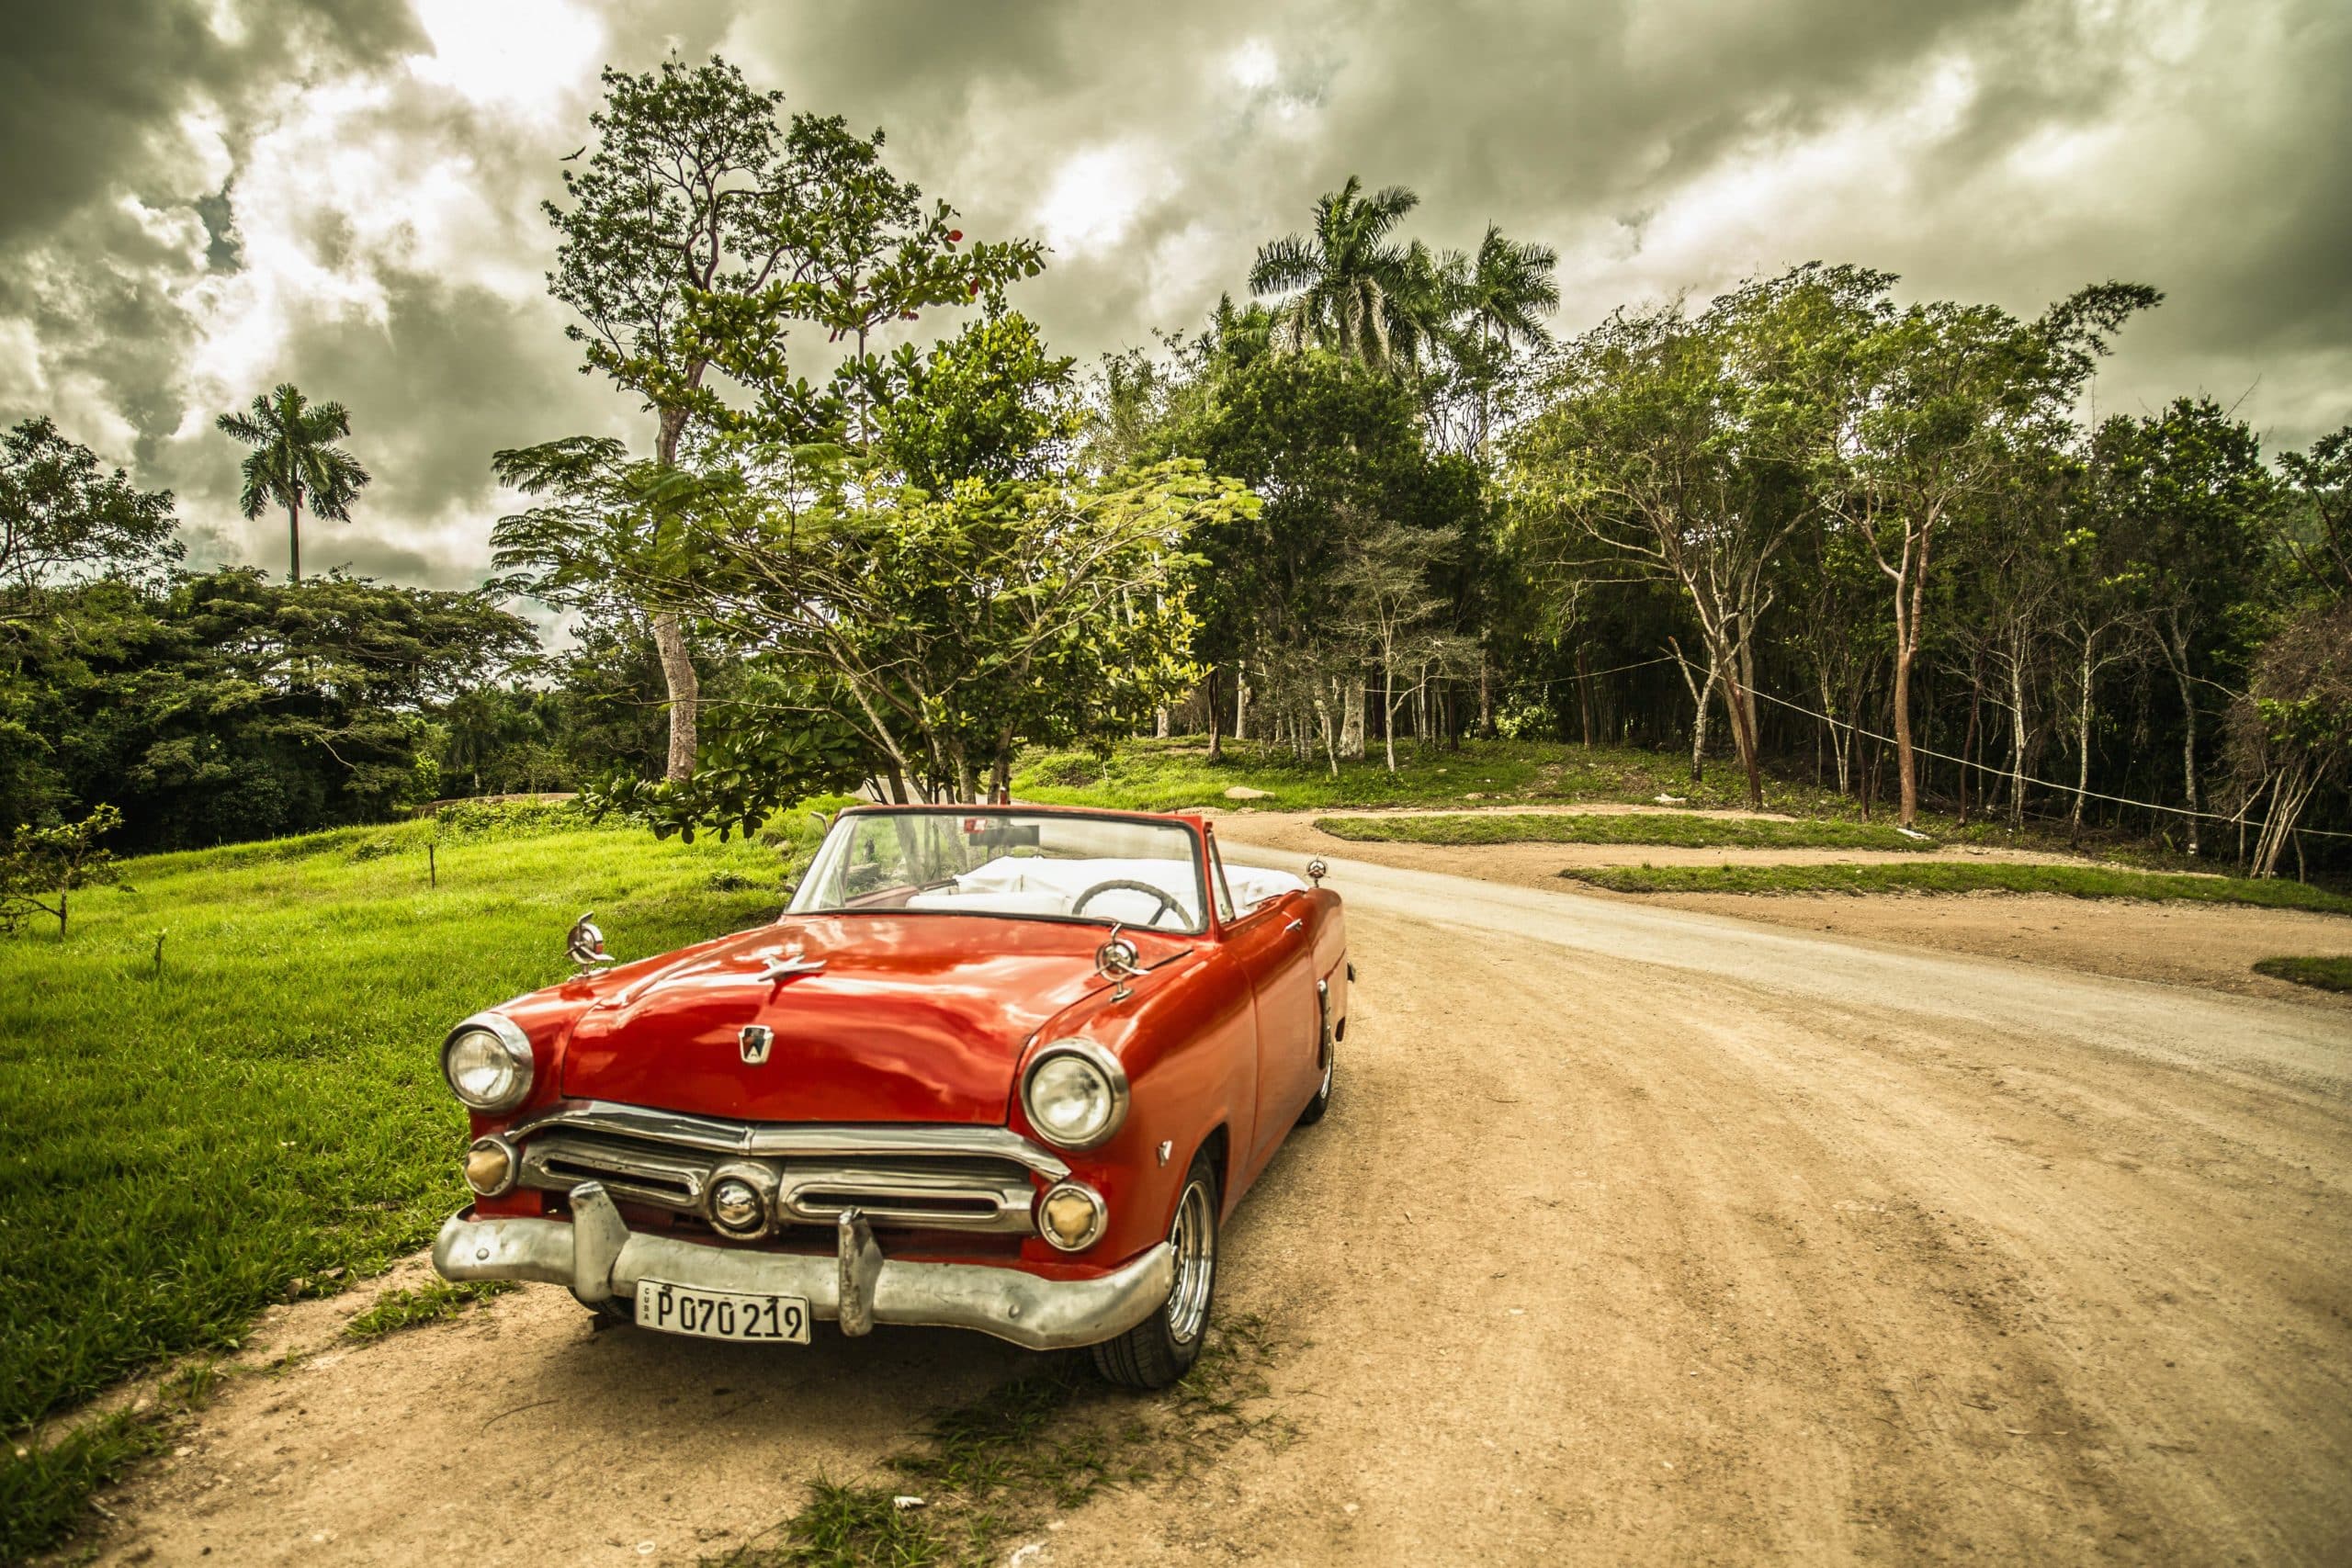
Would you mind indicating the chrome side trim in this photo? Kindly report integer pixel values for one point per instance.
(603, 1259)
(792, 1140)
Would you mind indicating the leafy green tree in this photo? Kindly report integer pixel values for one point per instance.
(294, 462)
(41, 863)
(1497, 297)
(1350, 286)
(1670, 449)
(61, 513)
(701, 230)
(2190, 494)
(1929, 406)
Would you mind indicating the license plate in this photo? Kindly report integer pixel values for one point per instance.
(721, 1315)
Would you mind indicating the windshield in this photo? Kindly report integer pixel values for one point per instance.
(976, 860)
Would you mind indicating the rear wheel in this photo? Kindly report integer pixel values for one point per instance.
(1163, 1347)
(1322, 1100)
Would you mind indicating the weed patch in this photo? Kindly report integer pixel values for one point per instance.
(989, 1472)
(428, 1302)
(2321, 974)
(2075, 881)
(1633, 828)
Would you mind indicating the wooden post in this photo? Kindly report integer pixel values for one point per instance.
(432, 865)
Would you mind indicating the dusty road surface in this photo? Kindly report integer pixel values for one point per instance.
(1635, 1234)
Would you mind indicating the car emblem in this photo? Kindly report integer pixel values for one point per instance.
(754, 1042)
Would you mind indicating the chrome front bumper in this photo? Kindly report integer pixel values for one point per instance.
(599, 1257)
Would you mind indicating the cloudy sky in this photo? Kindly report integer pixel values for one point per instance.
(203, 197)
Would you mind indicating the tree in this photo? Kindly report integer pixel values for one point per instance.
(2188, 488)
(1350, 288)
(1669, 449)
(1497, 295)
(700, 230)
(1932, 406)
(294, 462)
(1386, 602)
(41, 863)
(59, 514)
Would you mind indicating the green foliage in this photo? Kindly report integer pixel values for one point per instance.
(2072, 881)
(2321, 974)
(294, 462)
(782, 741)
(43, 864)
(225, 706)
(59, 514)
(429, 1303)
(1629, 828)
(700, 230)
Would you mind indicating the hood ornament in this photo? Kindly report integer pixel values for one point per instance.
(1117, 960)
(1317, 870)
(586, 946)
(786, 966)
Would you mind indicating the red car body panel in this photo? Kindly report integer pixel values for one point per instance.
(929, 1017)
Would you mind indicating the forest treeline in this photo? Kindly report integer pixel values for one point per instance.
(1804, 527)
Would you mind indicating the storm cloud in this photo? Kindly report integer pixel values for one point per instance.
(207, 196)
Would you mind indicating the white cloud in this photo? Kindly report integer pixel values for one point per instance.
(1097, 194)
(526, 56)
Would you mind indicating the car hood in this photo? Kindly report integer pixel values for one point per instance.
(912, 1017)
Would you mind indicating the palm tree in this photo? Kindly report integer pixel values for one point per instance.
(1350, 288)
(293, 463)
(1496, 298)
(1498, 293)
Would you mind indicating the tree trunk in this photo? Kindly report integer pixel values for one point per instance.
(2082, 743)
(1388, 708)
(1351, 716)
(1330, 742)
(669, 636)
(1216, 712)
(1241, 702)
(1906, 784)
(2016, 741)
(294, 538)
(1584, 697)
(1485, 698)
(2179, 663)
(1160, 722)
(678, 673)
(1701, 697)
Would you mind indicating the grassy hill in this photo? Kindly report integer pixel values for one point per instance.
(262, 1114)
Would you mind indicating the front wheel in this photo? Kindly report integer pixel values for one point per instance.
(1163, 1347)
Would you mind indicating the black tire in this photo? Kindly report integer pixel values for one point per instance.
(1322, 1100)
(1163, 1347)
(614, 1312)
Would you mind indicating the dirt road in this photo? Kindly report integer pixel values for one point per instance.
(1635, 1234)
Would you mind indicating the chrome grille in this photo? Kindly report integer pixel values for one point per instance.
(971, 1191)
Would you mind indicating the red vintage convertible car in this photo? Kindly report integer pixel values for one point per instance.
(1004, 1069)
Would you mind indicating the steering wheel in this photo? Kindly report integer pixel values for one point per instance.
(1120, 885)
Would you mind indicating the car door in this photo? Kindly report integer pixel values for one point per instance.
(1275, 948)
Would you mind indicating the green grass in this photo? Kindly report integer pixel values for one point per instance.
(2074, 881)
(1172, 775)
(996, 1468)
(181, 1147)
(1628, 827)
(2322, 974)
(428, 1302)
(45, 1487)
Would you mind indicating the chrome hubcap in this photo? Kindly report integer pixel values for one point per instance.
(1193, 1237)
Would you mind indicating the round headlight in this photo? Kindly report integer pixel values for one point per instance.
(488, 1062)
(1076, 1094)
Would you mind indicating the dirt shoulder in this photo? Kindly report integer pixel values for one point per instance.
(2211, 946)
